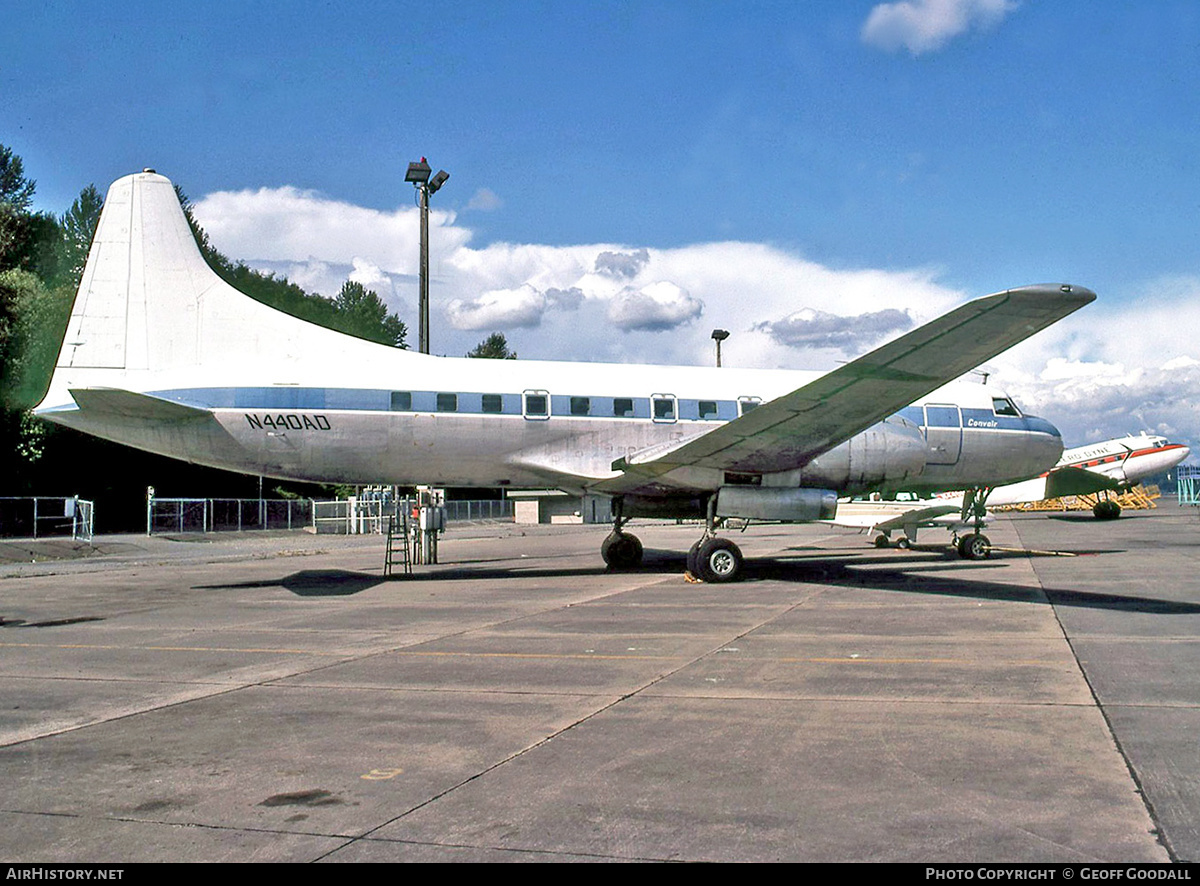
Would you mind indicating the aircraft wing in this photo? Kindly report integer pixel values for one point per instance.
(791, 430)
(1077, 481)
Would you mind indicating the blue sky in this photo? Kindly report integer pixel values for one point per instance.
(878, 156)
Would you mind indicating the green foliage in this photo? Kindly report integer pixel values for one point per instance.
(356, 310)
(78, 227)
(494, 347)
(33, 321)
(361, 312)
(16, 195)
(28, 240)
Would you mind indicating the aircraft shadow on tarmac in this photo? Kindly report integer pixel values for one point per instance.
(951, 579)
(311, 583)
(935, 576)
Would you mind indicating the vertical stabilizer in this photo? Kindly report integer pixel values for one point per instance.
(150, 313)
(144, 272)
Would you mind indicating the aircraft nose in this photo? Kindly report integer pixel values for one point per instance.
(1048, 436)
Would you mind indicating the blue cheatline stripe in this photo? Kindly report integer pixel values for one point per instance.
(472, 403)
(368, 399)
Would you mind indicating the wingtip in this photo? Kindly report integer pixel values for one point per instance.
(1080, 294)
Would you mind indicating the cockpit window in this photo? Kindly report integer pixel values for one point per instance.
(1005, 406)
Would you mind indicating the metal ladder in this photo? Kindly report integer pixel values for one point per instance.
(398, 552)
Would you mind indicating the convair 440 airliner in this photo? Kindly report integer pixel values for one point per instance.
(161, 354)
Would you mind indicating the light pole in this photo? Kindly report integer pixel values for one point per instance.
(719, 335)
(418, 174)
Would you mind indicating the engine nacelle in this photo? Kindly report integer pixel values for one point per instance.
(776, 503)
(891, 453)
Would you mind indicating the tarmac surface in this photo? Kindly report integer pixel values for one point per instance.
(272, 698)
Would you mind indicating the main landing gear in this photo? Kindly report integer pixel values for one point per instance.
(712, 559)
(1106, 509)
(975, 546)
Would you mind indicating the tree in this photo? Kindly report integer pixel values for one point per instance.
(494, 347)
(361, 312)
(33, 320)
(32, 323)
(28, 240)
(78, 226)
(16, 196)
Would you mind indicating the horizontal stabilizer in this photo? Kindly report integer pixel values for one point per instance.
(127, 404)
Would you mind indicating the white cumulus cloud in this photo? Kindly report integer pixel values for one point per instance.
(291, 224)
(371, 276)
(925, 25)
(850, 335)
(656, 308)
(499, 309)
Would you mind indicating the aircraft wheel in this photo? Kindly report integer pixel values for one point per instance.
(882, 541)
(718, 560)
(693, 558)
(1107, 509)
(621, 551)
(974, 546)
(903, 543)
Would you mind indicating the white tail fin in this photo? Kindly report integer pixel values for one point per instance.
(150, 312)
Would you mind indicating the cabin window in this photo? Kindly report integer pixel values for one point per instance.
(942, 417)
(447, 402)
(581, 406)
(746, 404)
(493, 403)
(537, 404)
(401, 401)
(623, 407)
(664, 407)
(708, 408)
(1005, 406)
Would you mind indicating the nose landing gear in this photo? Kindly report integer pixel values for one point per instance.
(976, 545)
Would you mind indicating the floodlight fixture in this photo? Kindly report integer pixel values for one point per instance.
(438, 180)
(418, 173)
(719, 335)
